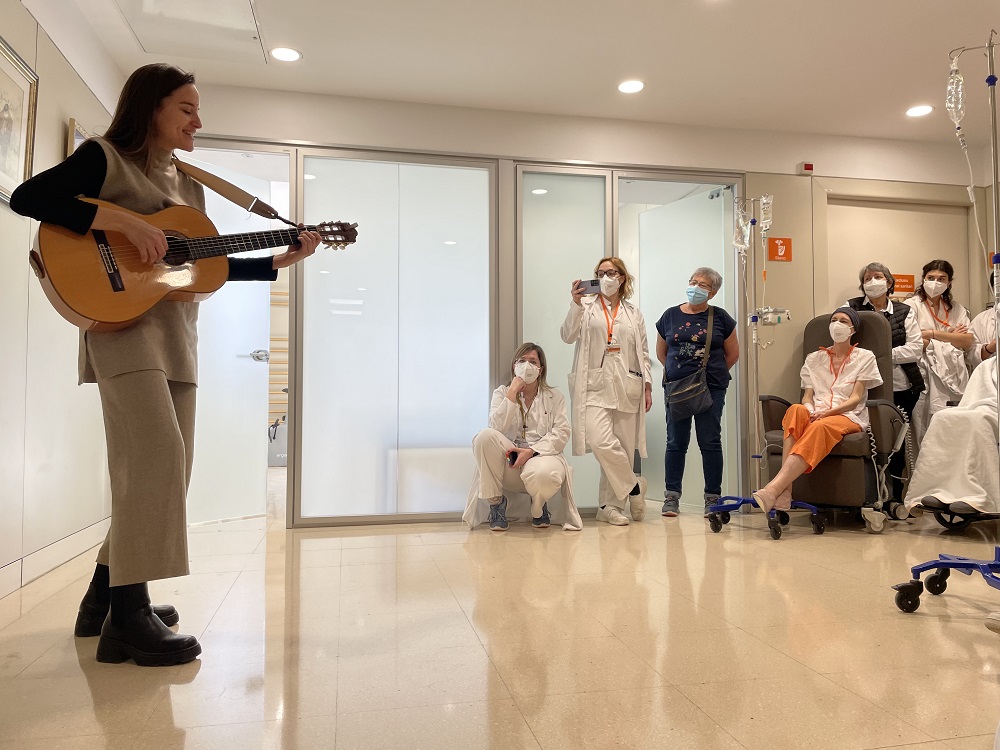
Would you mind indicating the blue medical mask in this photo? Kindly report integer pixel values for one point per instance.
(697, 295)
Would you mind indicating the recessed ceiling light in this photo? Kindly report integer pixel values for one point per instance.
(920, 111)
(450, 242)
(539, 191)
(362, 289)
(286, 54)
(631, 87)
(309, 176)
(324, 272)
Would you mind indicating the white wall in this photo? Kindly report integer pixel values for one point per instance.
(54, 499)
(367, 122)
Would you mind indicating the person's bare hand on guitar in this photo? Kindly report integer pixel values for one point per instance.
(147, 239)
(308, 242)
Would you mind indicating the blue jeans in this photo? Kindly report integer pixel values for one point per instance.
(708, 428)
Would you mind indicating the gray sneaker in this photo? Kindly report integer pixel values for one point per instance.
(498, 516)
(710, 500)
(672, 506)
(543, 521)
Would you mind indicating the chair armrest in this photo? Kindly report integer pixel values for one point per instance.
(773, 410)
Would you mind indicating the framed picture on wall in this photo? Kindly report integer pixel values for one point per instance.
(76, 135)
(18, 101)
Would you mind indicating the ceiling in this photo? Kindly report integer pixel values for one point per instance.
(846, 68)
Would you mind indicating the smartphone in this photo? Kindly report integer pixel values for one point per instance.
(590, 286)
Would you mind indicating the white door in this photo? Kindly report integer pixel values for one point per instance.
(230, 468)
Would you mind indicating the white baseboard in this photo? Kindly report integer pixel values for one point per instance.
(10, 578)
(48, 558)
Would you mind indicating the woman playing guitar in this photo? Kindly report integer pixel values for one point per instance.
(146, 374)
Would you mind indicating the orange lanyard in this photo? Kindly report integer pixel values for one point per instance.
(610, 321)
(836, 373)
(946, 315)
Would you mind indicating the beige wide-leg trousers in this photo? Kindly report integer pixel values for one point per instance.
(149, 422)
(611, 436)
(541, 477)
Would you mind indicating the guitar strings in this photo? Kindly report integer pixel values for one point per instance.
(199, 248)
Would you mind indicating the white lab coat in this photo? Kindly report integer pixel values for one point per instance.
(958, 457)
(573, 330)
(984, 329)
(942, 366)
(548, 421)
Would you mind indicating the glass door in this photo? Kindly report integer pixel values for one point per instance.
(667, 229)
(392, 339)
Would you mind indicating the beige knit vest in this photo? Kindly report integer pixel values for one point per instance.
(166, 338)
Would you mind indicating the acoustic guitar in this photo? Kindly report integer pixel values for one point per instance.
(98, 282)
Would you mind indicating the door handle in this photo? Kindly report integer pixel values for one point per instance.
(260, 355)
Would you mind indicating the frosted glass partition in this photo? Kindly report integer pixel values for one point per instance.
(666, 231)
(563, 235)
(395, 338)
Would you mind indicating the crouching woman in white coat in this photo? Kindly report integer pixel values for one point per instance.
(610, 387)
(522, 449)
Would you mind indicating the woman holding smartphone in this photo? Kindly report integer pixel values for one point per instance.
(610, 387)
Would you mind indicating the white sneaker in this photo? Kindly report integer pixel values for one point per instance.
(993, 622)
(637, 503)
(611, 514)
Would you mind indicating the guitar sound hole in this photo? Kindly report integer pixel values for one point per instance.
(177, 252)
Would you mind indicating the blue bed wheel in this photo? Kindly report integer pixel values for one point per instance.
(725, 517)
(936, 583)
(907, 601)
(783, 518)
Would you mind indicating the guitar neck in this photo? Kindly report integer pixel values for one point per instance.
(230, 244)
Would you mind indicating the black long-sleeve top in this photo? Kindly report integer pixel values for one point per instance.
(52, 196)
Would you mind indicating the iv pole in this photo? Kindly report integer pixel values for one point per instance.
(991, 82)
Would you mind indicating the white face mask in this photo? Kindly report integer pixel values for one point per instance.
(609, 286)
(527, 371)
(875, 288)
(934, 288)
(839, 331)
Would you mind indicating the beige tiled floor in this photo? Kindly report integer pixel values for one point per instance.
(660, 635)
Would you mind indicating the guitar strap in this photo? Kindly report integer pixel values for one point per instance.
(229, 191)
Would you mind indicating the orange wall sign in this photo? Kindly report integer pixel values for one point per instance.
(779, 248)
(904, 283)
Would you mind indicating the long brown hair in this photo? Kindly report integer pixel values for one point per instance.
(524, 349)
(625, 290)
(131, 129)
(938, 265)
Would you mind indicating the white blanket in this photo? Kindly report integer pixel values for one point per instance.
(958, 456)
(946, 376)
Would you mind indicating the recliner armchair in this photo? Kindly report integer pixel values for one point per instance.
(854, 475)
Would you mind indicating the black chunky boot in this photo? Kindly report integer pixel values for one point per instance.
(132, 631)
(97, 601)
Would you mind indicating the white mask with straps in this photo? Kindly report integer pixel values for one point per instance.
(875, 288)
(609, 286)
(839, 331)
(527, 371)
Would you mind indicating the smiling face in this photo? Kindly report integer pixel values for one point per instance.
(176, 120)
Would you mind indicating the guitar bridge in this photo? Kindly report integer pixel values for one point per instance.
(110, 264)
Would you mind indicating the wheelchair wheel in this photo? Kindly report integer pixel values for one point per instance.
(725, 517)
(715, 523)
(951, 521)
(774, 526)
(818, 524)
(783, 518)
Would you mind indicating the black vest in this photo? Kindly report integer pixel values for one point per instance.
(897, 321)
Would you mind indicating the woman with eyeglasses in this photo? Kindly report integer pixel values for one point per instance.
(682, 335)
(610, 386)
(522, 449)
(944, 327)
